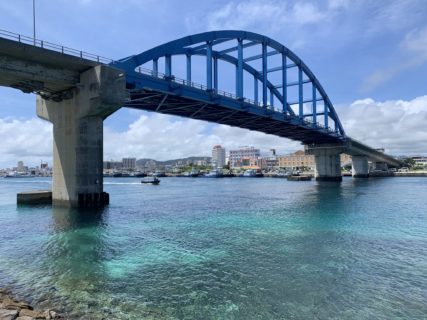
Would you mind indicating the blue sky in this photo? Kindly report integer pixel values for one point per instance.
(370, 56)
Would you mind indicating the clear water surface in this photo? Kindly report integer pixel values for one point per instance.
(236, 248)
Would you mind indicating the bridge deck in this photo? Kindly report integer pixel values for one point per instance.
(168, 97)
(39, 69)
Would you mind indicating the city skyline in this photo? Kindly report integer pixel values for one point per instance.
(349, 61)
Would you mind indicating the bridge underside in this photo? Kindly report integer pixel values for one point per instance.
(243, 116)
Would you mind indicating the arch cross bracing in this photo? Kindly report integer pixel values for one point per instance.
(265, 107)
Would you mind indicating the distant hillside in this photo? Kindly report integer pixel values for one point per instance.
(173, 162)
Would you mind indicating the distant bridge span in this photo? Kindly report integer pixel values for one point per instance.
(275, 93)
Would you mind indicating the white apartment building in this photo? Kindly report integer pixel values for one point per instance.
(244, 156)
(129, 163)
(218, 156)
(420, 161)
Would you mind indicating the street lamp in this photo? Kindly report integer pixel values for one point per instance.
(34, 21)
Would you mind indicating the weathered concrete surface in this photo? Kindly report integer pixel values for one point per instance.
(327, 161)
(34, 69)
(78, 132)
(34, 197)
(356, 148)
(359, 167)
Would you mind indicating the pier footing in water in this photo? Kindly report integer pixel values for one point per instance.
(34, 197)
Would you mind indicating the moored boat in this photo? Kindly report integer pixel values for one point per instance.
(193, 173)
(215, 173)
(15, 174)
(298, 178)
(253, 173)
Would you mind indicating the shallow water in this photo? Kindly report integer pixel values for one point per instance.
(237, 248)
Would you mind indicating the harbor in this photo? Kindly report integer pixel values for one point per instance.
(213, 160)
(187, 252)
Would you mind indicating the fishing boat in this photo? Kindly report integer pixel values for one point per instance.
(159, 173)
(298, 177)
(150, 180)
(15, 174)
(193, 173)
(139, 174)
(253, 173)
(215, 173)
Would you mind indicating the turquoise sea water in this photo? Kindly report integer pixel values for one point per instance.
(236, 248)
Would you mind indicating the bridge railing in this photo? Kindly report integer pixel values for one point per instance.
(160, 75)
(199, 86)
(54, 47)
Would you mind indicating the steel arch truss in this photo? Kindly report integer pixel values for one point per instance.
(163, 92)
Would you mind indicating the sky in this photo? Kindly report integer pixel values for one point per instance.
(370, 57)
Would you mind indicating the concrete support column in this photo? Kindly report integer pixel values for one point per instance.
(78, 135)
(359, 166)
(327, 161)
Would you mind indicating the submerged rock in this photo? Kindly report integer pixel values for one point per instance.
(11, 309)
(32, 313)
(8, 314)
(11, 304)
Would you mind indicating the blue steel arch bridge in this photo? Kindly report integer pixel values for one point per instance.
(310, 117)
(274, 92)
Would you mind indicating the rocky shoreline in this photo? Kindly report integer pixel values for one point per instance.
(11, 309)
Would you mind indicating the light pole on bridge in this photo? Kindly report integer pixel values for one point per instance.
(34, 21)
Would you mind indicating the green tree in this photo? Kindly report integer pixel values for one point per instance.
(409, 162)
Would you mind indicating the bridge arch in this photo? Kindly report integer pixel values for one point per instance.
(211, 46)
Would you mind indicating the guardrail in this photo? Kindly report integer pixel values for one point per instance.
(54, 47)
(100, 59)
(160, 75)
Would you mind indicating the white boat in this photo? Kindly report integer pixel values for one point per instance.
(253, 173)
(15, 174)
(159, 173)
(150, 180)
(193, 173)
(215, 173)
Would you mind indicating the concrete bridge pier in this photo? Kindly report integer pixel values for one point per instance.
(327, 161)
(359, 167)
(78, 136)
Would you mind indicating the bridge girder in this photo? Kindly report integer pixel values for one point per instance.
(204, 44)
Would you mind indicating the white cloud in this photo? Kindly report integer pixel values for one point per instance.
(339, 4)
(165, 137)
(268, 16)
(26, 140)
(305, 13)
(243, 15)
(414, 50)
(416, 42)
(398, 126)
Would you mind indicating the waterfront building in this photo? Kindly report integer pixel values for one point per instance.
(20, 167)
(420, 161)
(218, 156)
(300, 160)
(345, 159)
(269, 162)
(297, 160)
(201, 163)
(244, 156)
(129, 163)
(112, 165)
